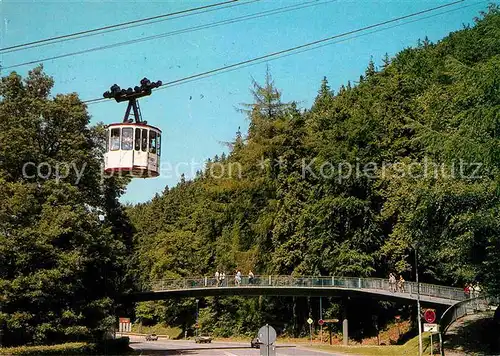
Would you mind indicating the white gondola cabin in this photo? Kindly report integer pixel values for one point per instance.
(132, 148)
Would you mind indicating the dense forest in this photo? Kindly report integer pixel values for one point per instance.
(405, 159)
(63, 240)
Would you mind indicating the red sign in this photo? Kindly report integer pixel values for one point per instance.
(430, 316)
(321, 321)
(124, 320)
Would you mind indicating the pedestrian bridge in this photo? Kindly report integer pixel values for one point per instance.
(343, 287)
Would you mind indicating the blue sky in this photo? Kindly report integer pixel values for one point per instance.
(197, 116)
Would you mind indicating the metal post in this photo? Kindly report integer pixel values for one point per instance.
(419, 316)
(310, 333)
(321, 318)
(197, 316)
(432, 351)
(441, 349)
(267, 339)
(1, 326)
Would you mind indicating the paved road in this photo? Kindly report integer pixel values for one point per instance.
(189, 347)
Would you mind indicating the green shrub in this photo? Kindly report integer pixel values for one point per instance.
(73, 348)
(108, 347)
(158, 329)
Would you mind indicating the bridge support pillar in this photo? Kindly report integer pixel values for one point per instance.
(345, 332)
(345, 326)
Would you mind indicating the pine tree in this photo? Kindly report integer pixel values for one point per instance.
(324, 98)
(370, 70)
(386, 61)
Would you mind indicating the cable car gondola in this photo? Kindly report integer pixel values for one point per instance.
(133, 147)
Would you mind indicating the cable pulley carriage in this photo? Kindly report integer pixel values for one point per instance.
(133, 147)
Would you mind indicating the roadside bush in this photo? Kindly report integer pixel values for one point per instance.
(158, 329)
(108, 347)
(73, 348)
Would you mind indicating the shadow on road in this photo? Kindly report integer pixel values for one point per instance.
(479, 335)
(183, 350)
(162, 352)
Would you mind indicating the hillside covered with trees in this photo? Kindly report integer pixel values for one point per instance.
(405, 159)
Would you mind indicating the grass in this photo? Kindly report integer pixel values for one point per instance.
(408, 349)
(172, 332)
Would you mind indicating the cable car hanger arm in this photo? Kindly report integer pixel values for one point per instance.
(131, 95)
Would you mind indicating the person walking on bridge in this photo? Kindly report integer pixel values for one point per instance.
(467, 290)
(237, 278)
(401, 284)
(250, 277)
(476, 290)
(392, 282)
(217, 278)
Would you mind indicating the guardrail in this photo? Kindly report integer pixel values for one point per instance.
(463, 308)
(444, 292)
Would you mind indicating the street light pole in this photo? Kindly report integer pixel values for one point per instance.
(419, 315)
(197, 314)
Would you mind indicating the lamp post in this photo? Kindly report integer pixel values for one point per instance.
(419, 317)
(197, 314)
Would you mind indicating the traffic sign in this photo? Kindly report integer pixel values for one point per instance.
(267, 334)
(321, 321)
(434, 328)
(197, 326)
(430, 316)
(310, 321)
(124, 325)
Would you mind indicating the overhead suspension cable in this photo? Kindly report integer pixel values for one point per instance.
(266, 60)
(116, 25)
(126, 27)
(293, 49)
(181, 31)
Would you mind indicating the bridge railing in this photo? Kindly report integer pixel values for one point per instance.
(431, 290)
(463, 308)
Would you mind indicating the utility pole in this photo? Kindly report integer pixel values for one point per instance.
(419, 315)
